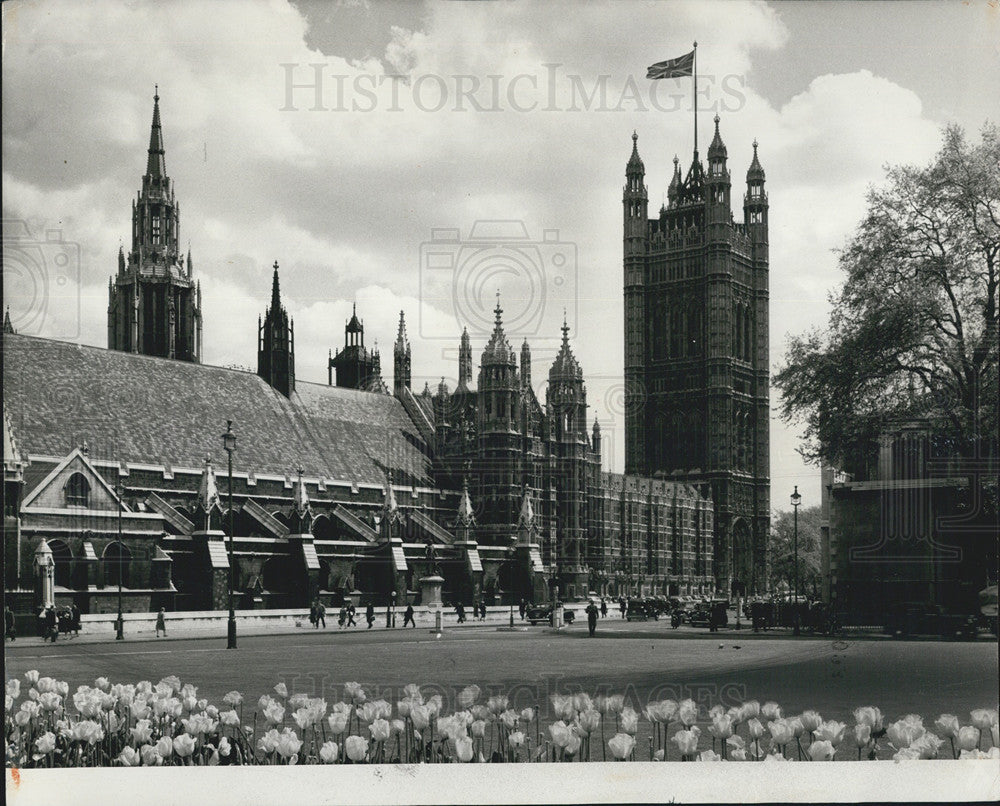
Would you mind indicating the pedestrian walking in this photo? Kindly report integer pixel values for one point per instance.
(408, 617)
(482, 610)
(460, 610)
(312, 614)
(320, 614)
(65, 621)
(592, 618)
(604, 607)
(370, 615)
(342, 617)
(75, 615)
(522, 609)
(51, 629)
(9, 624)
(161, 623)
(623, 605)
(351, 611)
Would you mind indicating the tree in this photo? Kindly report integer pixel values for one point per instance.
(913, 332)
(782, 551)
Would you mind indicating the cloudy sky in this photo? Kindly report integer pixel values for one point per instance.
(337, 137)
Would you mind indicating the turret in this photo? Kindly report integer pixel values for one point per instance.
(401, 359)
(595, 442)
(525, 365)
(755, 202)
(717, 187)
(635, 201)
(276, 343)
(464, 361)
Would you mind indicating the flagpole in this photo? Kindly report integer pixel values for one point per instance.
(694, 71)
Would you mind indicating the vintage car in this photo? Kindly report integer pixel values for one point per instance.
(904, 619)
(704, 613)
(542, 613)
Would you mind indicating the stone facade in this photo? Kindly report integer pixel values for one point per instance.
(696, 350)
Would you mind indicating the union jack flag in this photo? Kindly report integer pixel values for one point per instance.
(673, 68)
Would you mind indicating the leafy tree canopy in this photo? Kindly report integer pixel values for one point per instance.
(913, 332)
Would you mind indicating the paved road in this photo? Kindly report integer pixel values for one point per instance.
(642, 660)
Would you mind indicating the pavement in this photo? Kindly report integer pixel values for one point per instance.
(619, 628)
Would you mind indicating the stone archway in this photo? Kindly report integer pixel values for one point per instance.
(743, 581)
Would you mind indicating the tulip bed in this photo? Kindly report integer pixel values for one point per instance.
(144, 724)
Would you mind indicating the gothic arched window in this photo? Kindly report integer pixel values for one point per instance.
(77, 491)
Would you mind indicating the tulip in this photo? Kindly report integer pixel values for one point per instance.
(478, 728)
(164, 747)
(927, 745)
(397, 725)
(229, 718)
(948, 725)
(224, 747)
(150, 757)
(379, 730)
(687, 712)
(421, 716)
(184, 745)
(139, 709)
(821, 750)
(906, 754)
(572, 745)
(715, 710)
(281, 690)
(750, 709)
(862, 736)
(686, 741)
(771, 710)
(355, 692)
(509, 719)
(368, 711)
(13, 688)
(142, 732)
(87, 731)
(527, 714)
(582, 701)
(902, 733)
(621, 745)
(739, 754)
(356, 748)
(722, 727)
(810, 721)
(269, 741)
(629, 721)
(709, 755)
(590, 720)
(274, 714)
(560, 733)
(411, 691)
(233, 698)
(338, 722)
(46, 743)
(173, 681)
(781, 732)
(497, 704)
(755, 729)
(463, 748)
(129, 757)
(468, 696)
(659, 755)
(328, 752)
(615, 703)
(288, 744)
(516, 739)
(967, 738)
(435, 704)
(797, 726)
(31, 676)
(832, 732)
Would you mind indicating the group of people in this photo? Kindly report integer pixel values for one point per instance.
(478, 612)
(346, 617)
(53, 622)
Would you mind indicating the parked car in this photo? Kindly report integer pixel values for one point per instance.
(705, 612)
(923, 618)
(543, 613)
(639, 610)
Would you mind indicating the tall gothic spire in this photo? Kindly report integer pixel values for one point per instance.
(155, 165)
(275, 291)
(464, 361)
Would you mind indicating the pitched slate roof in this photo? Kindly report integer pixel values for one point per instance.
(146, 410)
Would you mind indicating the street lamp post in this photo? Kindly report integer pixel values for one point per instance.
(796, 500)
(229, 445)
(120, 623)
(511, 556)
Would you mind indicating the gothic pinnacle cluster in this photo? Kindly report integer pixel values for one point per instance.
(154, 304)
